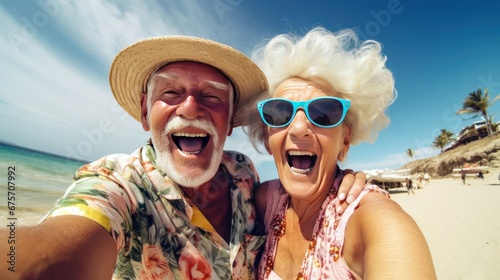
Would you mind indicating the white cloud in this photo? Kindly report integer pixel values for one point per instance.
(51, 104)
(105, 27)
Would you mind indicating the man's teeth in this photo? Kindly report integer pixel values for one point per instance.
(191, 143)
(184, 134)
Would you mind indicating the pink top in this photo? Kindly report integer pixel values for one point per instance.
(324, 259)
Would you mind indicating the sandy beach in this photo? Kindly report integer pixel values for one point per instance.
(461, 224)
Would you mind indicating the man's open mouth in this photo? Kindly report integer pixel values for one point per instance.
(301, 161)
(190, 143)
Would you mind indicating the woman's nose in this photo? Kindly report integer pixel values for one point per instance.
(299, 127)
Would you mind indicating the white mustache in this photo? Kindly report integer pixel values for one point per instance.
(178, 123)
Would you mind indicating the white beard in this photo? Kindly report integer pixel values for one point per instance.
(165, 160)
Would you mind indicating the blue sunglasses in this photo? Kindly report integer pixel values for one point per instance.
(324, 112)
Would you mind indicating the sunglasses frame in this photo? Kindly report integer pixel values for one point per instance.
(346, 104)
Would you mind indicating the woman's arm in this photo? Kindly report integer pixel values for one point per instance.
(384, 242)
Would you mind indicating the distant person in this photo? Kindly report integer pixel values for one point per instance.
(462, 175)
(427, 178)
(409, 186)
(419, 182)
(480, 175)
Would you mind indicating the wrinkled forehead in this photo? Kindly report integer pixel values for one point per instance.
(217, 79)
(302, 87)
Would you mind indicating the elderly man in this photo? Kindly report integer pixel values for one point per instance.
(177, 208)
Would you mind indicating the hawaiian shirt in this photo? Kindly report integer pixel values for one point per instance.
(158, 234)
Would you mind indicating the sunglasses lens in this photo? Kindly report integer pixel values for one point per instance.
(326, 112)
(277, 112)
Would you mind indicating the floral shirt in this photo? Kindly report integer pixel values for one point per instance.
(158, 234)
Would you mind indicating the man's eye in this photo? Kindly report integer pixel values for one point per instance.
(212, 97)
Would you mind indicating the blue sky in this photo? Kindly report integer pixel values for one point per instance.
(56, 54)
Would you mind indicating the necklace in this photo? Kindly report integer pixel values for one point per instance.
(278, 228)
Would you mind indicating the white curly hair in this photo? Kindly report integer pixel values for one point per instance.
(356, 70)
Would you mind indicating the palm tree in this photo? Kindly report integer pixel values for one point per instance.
(443, 139)
(447, 135)
(410, 153)
(477, 104)
(439, 143)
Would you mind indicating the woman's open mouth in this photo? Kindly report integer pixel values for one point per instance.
(301, 161)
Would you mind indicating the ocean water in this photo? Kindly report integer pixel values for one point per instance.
(40, 179)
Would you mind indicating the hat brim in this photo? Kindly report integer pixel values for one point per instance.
(133, 66)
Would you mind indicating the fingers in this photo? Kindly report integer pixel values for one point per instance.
(350, 188)
(346, 183)
(357, 187)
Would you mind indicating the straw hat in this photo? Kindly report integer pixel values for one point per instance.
(133, 66)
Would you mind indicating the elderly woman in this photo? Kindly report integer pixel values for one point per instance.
(327, 91)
